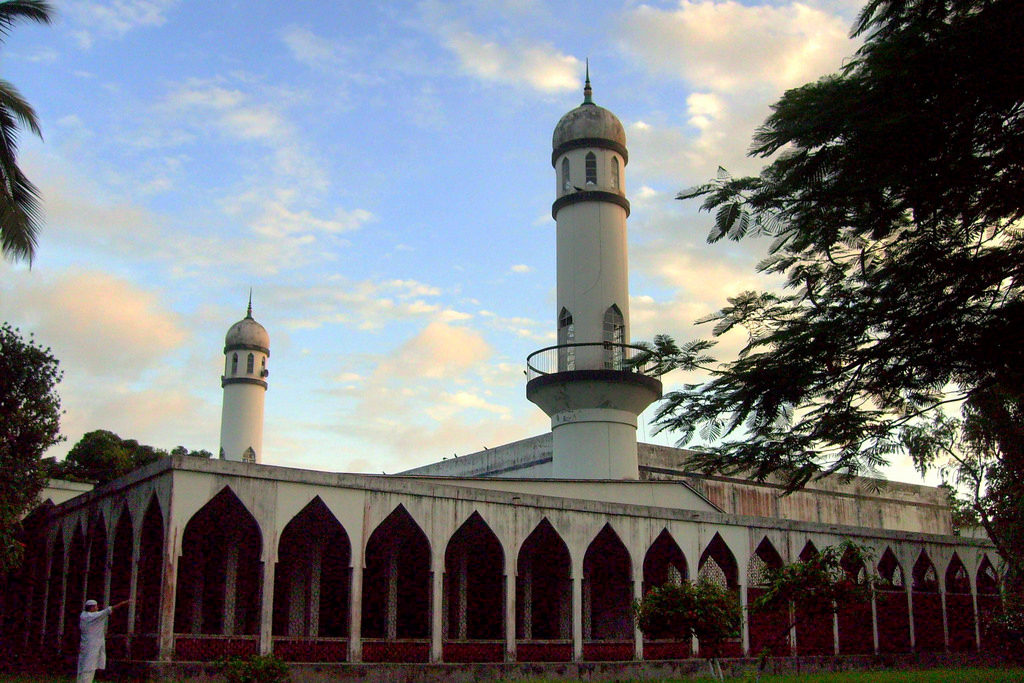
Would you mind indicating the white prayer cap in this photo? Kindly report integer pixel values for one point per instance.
(91, 603)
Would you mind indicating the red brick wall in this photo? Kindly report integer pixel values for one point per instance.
(893, 621)
(928, 635)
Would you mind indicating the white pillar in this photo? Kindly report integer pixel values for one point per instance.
(355, 616)
(437, 613)
(266, 627)
(638, 594)
(510, 616)
(577, 617)
(133, 578)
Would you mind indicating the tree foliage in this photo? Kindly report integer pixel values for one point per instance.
(20, 213)
(704, 610)
(101, 456)
(894, 199)
(29, 424)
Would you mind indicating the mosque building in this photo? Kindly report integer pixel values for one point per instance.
(529, 552)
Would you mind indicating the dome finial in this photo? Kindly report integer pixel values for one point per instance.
(587, 91)
(248, 312)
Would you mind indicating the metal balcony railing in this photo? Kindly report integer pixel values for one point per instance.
(590, 356)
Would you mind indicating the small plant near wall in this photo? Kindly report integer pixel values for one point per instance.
(704, 609)
(254, 669)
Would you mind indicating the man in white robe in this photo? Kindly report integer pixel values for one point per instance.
(92, 653)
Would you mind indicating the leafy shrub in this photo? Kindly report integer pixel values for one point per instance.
(254, 669)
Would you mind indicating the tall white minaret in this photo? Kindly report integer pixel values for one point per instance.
(586, 383)
(246, 350)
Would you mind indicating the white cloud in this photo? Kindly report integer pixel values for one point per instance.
(115, 18)
(537, 65)
(727, 46)
(521, 268)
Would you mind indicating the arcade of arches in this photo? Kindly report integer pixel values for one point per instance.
(378, 569)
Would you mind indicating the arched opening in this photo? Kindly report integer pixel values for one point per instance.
(607, 597)
(250, 364)
(615, 335)
(474, 594)
(234, 364)
(120, 581)
(591, 162)
(566, 177)
(665, 563)
(396, 591)
(249, 455)
(544, 597)
(311, 587)
(55, 592)
(856, 635)
(718, 565)
(96, 582)
(74, 601)
(959, 607)
(149, 584)
(987, 583)
(219, 576)
(615, 173)
(891, 605)
(768, 629)
(814, 631)
(929, 634)
(566, 338)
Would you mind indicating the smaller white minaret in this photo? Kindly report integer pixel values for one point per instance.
(246, 350)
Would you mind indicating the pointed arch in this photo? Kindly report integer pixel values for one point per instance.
(814, 634)
(854, 620)
(926, 578)
(614, 334)
(219, 570)
(764, 559)
(765, 627)
(664, 563)
(121, 569)
(718, 564)
(312, 576)
(74, 597)
(234, 364)
(607, 588)
(591, 168)
(55, 589)
(95, 584)
(988, 578)
(615, 173)
(987, 586)
(891, 605)
(566, 339)
(396, 581)
(959, 606)
(929, 634)
(474, 593)
(150, 582)
(543, 586)
(566, 176)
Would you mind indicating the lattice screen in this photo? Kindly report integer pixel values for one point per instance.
(757, 571)
(713, 572)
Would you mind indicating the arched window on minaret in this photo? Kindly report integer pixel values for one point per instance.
(250, 364)
(566, 337)
(615, 333)
(591, 168)
(566, 178)
(615, 172)
(234, 364)
(263, 367)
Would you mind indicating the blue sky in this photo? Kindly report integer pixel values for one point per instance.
(379, 174)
